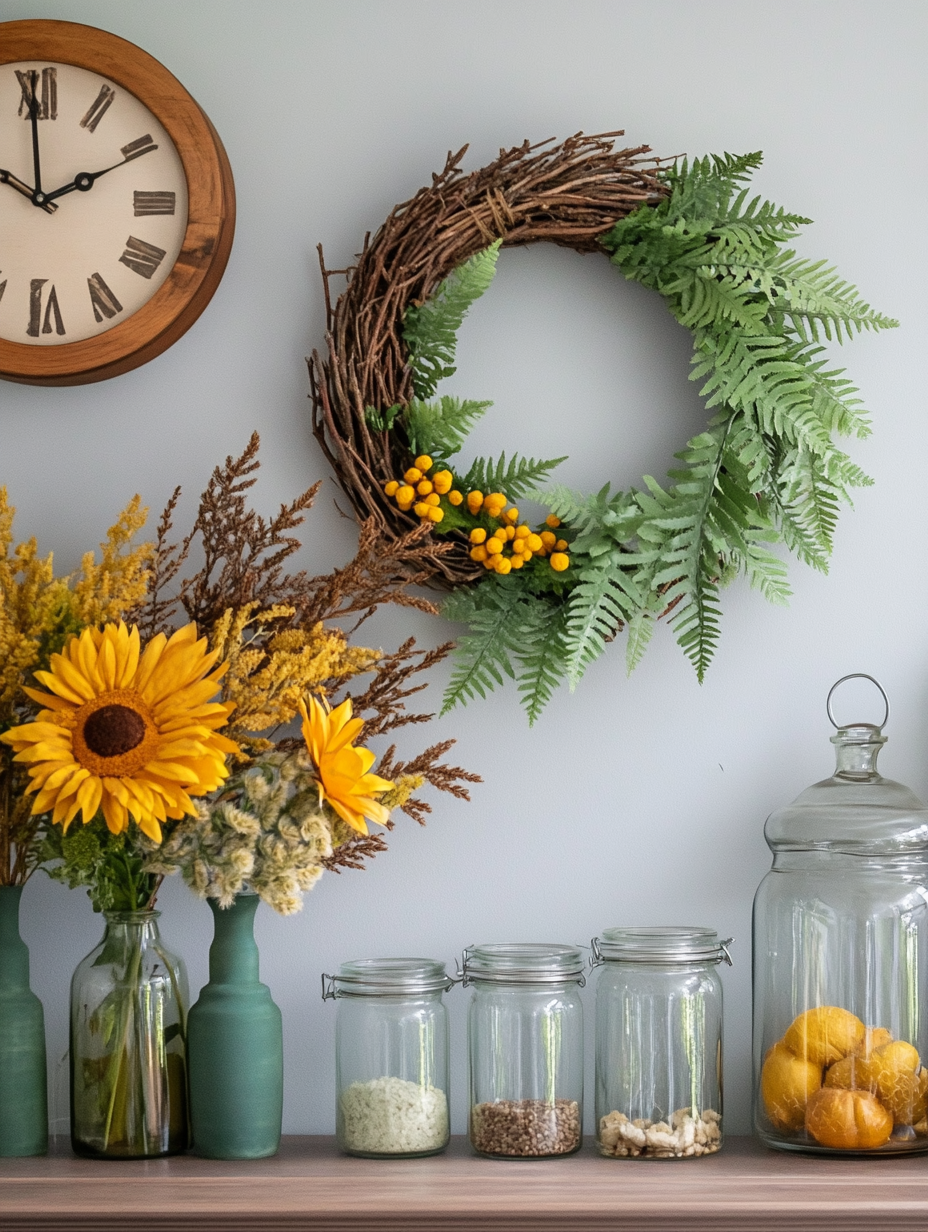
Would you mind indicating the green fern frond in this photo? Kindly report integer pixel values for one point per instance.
(541, 655)
(494, 612)
(601, 603)
(516, 478)
(640, 628)
(382, 421)
(430, 328)
(441, 427)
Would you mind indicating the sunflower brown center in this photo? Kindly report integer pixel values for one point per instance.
(113, 730)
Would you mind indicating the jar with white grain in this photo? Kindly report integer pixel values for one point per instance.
(391, 1043)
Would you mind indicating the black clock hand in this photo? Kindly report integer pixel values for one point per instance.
(7, 177)
(85, 180)
(34, 121)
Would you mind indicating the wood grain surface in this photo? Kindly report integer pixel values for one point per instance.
(309, 1185)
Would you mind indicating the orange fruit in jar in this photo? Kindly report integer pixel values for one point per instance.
(874, 1037)
(897, 1055)
(854, 1073)
(825, 1034)
(848, 1120)
(786, 1082)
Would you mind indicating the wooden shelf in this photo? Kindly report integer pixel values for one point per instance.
(309, 1185)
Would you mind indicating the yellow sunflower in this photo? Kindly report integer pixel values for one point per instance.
(342, 769)
(131, 733)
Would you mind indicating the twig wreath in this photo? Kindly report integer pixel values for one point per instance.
(542, 603)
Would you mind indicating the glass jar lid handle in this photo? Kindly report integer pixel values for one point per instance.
(857, 676)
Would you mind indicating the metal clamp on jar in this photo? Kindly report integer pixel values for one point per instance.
(841, 961)
(659, 1042)
(391, 1047)
(525, 1031)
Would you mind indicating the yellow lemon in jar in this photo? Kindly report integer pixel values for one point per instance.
(825, 1034)
(899, 1085)
(848, 1120)
(897, 1055)
(786, 1083)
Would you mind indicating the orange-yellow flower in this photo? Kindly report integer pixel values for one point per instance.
(132, 733)
(341, 768)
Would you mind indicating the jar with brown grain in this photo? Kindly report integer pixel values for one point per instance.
(525, 1032)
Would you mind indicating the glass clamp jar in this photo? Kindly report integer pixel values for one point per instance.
(391, 1048)
(525, 1032)
(841, 961)
(659, 1042)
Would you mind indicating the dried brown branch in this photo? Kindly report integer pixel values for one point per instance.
(568, 194)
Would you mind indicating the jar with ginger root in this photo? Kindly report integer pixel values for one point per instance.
(841, 962)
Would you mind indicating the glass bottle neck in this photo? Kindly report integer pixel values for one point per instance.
(856, 750)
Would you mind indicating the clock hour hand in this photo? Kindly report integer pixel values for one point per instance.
(7, 177)
(85, 180)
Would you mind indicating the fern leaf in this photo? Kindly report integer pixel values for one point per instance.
(640, 628)
(430, 329)
(441, 427)
(495, 613)
(541, 655)
(601, 603)
(516, 478)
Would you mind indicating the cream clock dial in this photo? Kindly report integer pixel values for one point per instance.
(93, 203)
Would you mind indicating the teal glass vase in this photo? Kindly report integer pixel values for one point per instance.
(235, 1045)
(23, 1084)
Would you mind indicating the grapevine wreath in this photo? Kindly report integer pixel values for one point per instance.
(542, 602)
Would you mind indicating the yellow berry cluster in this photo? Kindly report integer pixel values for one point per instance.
(506, 546)
(519, 540)
(421, 494)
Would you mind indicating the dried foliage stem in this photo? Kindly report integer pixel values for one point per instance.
(275, 628)
(567, 194)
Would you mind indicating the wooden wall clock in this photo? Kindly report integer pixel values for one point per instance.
(117, 205)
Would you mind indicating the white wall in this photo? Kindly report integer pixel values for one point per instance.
(635, 800)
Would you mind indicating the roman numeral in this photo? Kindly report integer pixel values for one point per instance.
(105, 303)
(135, 149)
(35, 310)
(97, 109)
(153, 203)
(47, 101)
(141, 257)
(2, 288)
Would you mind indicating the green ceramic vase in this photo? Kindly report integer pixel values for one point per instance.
(235, 1046)
(23, 1084)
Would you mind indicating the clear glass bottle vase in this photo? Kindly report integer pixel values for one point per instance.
(128, 1051)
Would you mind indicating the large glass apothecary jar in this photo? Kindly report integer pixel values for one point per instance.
(525, 1036)
(391, 1050)
(659, 1042)
(841, 962)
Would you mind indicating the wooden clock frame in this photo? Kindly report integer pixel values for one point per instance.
(201, 262)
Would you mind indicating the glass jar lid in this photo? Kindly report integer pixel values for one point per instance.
(523, 963)
(661, 945)
(386, 977)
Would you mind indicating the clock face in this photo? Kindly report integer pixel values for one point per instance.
(86, 258)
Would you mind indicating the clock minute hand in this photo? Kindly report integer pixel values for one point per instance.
(34, 121)
(85, 180)
(7, 177)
